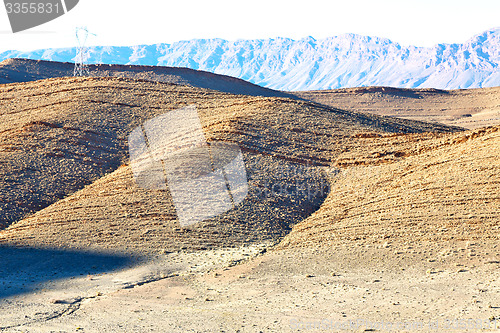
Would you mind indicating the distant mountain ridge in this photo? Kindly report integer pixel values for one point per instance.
(308, 64)
(25, 70)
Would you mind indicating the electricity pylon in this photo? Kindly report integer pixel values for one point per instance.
(81, 68)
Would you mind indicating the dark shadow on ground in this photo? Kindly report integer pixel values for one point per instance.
(22, 270)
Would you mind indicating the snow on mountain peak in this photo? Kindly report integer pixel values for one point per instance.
(347, 60)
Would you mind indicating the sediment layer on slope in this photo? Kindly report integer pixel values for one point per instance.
(59, 135)
(449, 193)
(114, 214)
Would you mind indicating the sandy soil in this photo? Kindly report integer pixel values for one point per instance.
(407, 235)
(344, 288)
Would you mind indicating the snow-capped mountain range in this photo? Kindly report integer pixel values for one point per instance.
(308, 64)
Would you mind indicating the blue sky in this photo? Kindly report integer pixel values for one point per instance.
(118, 22)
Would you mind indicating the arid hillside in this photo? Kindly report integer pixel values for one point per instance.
(59, 135)
(350, 217)
(447, 193)
(25, 70)
(471, 108)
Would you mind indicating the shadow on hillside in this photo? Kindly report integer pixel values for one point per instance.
(26, 70)
(23, 270)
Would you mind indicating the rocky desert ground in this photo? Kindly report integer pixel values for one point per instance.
(387, 224)
(468, 108)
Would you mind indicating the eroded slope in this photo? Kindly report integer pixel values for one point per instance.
(61, 134)
(449, 193)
